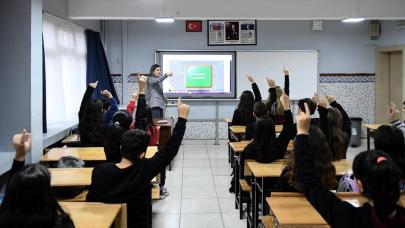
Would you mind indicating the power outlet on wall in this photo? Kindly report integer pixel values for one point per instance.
(317, 25)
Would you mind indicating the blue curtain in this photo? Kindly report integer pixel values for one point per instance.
(97, 65)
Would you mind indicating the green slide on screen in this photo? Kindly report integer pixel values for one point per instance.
(199, 76)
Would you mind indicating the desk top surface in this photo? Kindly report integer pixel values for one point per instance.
(70, 176)
(237, 129)
(296, 210)
(238, 147)
(274, 169)
(85, 153)
(71, 139)
(86, 214)
(372, 127)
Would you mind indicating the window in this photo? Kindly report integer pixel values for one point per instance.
(65, 66)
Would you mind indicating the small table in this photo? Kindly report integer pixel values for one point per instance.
(371, 128)
(89, 214)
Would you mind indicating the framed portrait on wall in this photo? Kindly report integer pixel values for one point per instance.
(231, 32)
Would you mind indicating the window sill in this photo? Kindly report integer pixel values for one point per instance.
(57, 132)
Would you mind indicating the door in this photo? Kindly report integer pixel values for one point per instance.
(395, 79)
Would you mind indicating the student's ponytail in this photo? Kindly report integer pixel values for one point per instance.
(380, 179)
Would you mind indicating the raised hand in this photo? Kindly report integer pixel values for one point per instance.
(22, 144)
(143, 84)
(169, 74)
(285, 101)
(303, 121)
(393, 112)
(93, 84)
(271, 83)
(330, 98)
(182, 109)
(107, 93)
(285, 71)
(250, 78)
(321, 101)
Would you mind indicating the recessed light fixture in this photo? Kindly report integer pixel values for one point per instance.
(164, 20)
(353, 20)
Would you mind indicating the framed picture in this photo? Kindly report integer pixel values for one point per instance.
(232, 32)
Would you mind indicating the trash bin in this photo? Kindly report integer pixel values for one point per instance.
(355, 140)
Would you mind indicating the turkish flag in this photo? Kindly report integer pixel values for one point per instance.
(193, 26)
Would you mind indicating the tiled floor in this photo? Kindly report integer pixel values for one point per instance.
(198, 186)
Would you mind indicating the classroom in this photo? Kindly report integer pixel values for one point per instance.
(202, 114)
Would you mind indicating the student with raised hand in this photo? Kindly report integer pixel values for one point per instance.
(265, 147)
(390, 139)
(335, 124)
(394, 117)
(243, 113)
(28, 200)
(129, 180)
(322, 157)
(273, 100)
(376, 176)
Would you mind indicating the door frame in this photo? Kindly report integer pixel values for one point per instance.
(381, 84)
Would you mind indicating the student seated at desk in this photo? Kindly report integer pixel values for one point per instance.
(322, 157)
(273, 100)
(122, 121)
(28, 200)
(377, 177)
(259, 112)
(94, 117)
(265, 147)
(243, 114)
(391, 140)
(129, 180)
(335, 124)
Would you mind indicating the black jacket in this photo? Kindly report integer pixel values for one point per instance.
(336, 212)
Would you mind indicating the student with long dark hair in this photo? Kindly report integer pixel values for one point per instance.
(154, 93)
(390, 139)
(122, 121)
(243, 114)
(28, 200)
(322, 157)
(273, 100)
(335, 124)
(129, 180)
(93, 117)
(376, 175)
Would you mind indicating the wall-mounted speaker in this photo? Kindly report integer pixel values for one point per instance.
(374, 30)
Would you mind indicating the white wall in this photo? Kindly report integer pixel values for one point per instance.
(241, 9)
(21, 75)
(59, 8)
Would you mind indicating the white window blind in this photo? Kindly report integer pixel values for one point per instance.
(65, 63)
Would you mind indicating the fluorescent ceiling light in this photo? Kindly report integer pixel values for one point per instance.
(164, 19)
(353, 20)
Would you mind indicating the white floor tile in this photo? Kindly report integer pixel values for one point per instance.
(231, 220)
(212, 220)
(222, 180)
(194, 156)
(189, 192)
(200, 206)
(167, 205)
(196, 163)
(198, 181)
(165, 220)
(227, 205)
(222, 171)
(204, 171)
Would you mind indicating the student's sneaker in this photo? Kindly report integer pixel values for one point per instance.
(163, 192)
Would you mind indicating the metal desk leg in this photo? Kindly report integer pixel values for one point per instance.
(368, 139)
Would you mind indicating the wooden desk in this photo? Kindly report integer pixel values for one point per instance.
(89, 214)
(238, 147)
(65, 177)
(261, 171)
(236, 129)
(295, 210)
(85, 153)
(371, 128)
(71, 139)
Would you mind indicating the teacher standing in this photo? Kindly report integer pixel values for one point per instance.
(154, 93)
